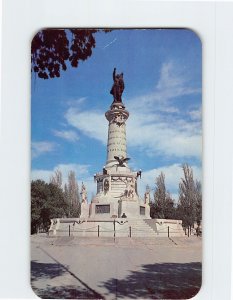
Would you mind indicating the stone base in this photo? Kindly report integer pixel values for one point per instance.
(113, 208)
(133, 209)
(175, 227)
(118, 227)
(84, 211)
(104, 210)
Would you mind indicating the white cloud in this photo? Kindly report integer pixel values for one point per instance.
(91, 123)
(195, 114)
(76, 102)
(173, 83)
(171, 138)
(39, 148)
(81, 171)
(155, 125)
(173, 174)
(146, 132)
(41, 174)
(170, 77)
(69, 135)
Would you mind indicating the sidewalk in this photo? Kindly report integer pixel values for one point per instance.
(127, 269)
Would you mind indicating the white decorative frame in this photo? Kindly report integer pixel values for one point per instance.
(213, 23)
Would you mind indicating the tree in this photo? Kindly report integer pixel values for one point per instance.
(73, 195)
(47, 202)
(198, 202)
(51, 49)
(163, 206)
(160, 196)
(170, 209)
(66, 194)
(56, 179)
(189, 197)
(38, 194)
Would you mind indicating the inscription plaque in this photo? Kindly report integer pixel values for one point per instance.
(142, 210)
(102, 209)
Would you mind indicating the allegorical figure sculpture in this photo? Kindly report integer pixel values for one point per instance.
(84, 193)
(147, 195)
(118, 86)
(130, 189)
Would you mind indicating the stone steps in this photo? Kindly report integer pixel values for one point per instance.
(150, 228)
(174, 230)
(139, 228)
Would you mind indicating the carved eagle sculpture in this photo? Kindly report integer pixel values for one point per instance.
(121, 160)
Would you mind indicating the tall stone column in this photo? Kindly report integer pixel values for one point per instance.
(117, 194)
(116, 146)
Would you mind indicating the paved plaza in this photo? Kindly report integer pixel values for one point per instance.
(127, 268)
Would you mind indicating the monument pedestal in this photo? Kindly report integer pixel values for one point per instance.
(103, 210)
(133, 209)
(84, 211)
(117, 193)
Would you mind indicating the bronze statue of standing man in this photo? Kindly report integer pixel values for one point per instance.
(118, 86)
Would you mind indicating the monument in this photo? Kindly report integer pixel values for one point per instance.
(117, 184)
(117, 208)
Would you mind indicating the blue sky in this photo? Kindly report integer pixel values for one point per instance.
(162, 74)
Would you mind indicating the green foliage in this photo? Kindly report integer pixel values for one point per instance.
(47, 202)
(75, 210)
(163, 206)
(198, 202)
(160, 196)
(169, 210)
(50, 201)
(51, 49)
(190, 198)
(72, 196)
(56, 179)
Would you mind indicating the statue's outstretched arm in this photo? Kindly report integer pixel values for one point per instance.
(114, 74)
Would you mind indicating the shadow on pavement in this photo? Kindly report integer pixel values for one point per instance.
(158, 281)
(152, 281)
(47, 271)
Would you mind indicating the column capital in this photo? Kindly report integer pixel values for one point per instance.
(118, 116)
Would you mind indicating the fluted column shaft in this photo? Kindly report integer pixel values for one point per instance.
(116, 145)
